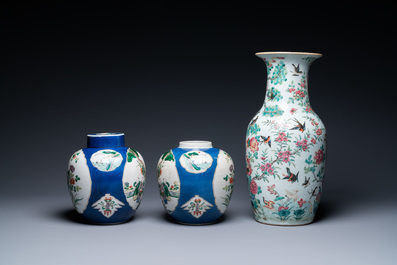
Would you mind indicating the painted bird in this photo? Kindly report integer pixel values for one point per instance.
(254, 121)
(293, 195)
(291, 177)
(272, 95)
(299, 126)
(266, 140)
(307, 182)
(313, 193)
(297, 70)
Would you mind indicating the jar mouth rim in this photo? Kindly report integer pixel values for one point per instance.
(289, 52)
(105, 134)
(195, 144)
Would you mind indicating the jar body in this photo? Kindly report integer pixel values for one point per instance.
(106, 183)
(195, 183)
(286, 146)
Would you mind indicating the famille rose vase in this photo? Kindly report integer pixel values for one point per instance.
(286, 144)
(195, 182)
(106, 180)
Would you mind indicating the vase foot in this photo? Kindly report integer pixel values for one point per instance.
(281, 224)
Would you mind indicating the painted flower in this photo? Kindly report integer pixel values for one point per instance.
(319, 156)
(231, 180)
(72, 181)
(301, 202)
(282, 137)
(263, 168)
(72, 169)
(299, 93)
(282, 208)
(253, 144)
(319, 132)
(291, 89)
(293, 110)
(284, 155)
(271, 189)
(253, 187)
(298, 213)
(313, 141)
(302, 144)
(231, 168)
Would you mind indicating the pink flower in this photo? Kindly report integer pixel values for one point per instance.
(263, 168)
(319, 156)
(291, 90)
(271, 171)
(253, 187)
(319, 131)
(313, 141)
(271, 189)
(284, 155)
(253, 144)
(301, 202)
(302, 144)
(263, 158)
(292, 111)
(282, 208)
(282, 137)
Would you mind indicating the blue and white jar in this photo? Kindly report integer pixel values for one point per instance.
(106, 180)
(195, 182)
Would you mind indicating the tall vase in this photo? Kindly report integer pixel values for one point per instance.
(286, 144)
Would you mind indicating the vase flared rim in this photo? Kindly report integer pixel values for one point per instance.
(292, 53)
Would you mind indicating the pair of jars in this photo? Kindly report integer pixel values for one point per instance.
(106, 180)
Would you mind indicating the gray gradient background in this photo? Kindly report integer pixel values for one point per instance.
(162, 74)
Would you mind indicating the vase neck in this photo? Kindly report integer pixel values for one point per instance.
(287, 78)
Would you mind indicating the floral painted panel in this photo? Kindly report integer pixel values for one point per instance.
(196, 161)
(134, 178)
(79, 181)
(223, 181)
(168, 181)
(106, 160)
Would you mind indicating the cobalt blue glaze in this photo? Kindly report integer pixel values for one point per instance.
(191, 182)
(106, 179)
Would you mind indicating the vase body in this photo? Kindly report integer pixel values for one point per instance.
(106, 180)
(195, 182)
(286, 145)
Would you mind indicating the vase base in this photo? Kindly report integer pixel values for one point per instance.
(280, 224)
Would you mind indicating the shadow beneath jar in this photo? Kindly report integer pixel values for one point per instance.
(171, 220)
(72, 216)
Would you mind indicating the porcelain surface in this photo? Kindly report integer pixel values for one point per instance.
(286, 145)
(106, 180)
(195, 182)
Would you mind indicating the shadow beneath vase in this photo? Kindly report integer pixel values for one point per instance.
(327, 210)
